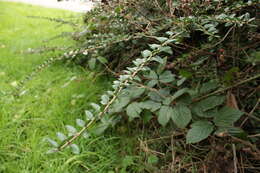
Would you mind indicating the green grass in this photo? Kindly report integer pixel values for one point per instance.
(47, 105)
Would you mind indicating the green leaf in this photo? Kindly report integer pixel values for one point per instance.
(150, 105)
(147, 116)
(158, 59)
(146, 53)
(227, 116)
(80, 122)
(181, 115)
(164, 115)
(154, 46)
(136, 92)
(120, 103)
(89, 115)
(95, 106)
(153, 75)
(161, 39)
(181, 81)
(179, 93)
(104, 99)
(166, 49)
(52, 150)
(92, 63)
(199, 131)
(166, 77)
(133, 110)
(209, 86)
(75, 149)
(102, 60)
(152, 83)
(61, 136)
(52, 142)
(209, 103)
(72, 130)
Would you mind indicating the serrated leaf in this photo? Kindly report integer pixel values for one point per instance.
(92, 63)
(95, 106)
(164, 115)
(207, 104)
(133, 110)
(80, 122)
(104, 99)
(136, 92)
(199, 131)
(166, 77)
(181, 115)
(166, 49)
(161, 39)
(120, 103)
(152, 83)
(153, 75)
(52, 142)
(89, 115)
(146, 53)
(209, 86)
(179, 93)
(72, 130)
(61, 136)
(75, 149)
(150, 105)
(155, 96)
(227, 116)
(167, 101)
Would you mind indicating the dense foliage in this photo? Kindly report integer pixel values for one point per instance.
(187, 67)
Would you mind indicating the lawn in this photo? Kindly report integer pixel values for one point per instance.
(52, 99)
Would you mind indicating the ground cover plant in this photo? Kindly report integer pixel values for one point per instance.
(186, 92)
(182, 66)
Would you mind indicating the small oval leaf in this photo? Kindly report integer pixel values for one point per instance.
(89, 115)
(72, 130)
(61, 136)
(75, 149)
(80, 122)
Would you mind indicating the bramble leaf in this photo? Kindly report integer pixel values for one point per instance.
(133, 110)
(227, 116)
(164, 115)
(199, 131)
(166, 77)
(181, 115)
(150, 105)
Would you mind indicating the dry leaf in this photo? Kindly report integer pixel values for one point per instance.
(231, 100)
